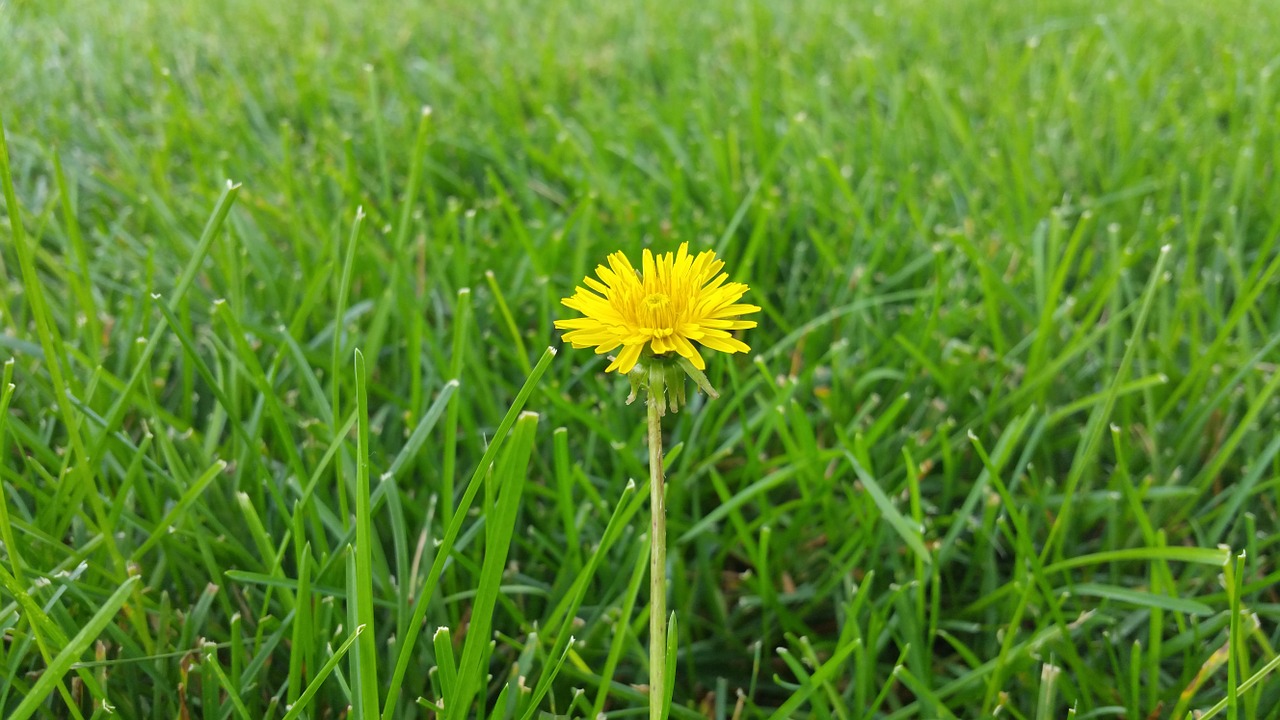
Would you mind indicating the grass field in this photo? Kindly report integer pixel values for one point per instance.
(1007, 442)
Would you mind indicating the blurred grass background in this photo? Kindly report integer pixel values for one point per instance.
(1007, 440)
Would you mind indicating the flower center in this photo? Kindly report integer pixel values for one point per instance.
(656, 300)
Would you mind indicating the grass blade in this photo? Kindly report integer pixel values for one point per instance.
(455, 526)
(76, 647)
(509, 474)
(909, 532)
(366, 654)
(321, 675)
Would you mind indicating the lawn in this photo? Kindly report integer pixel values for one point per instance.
(286, 429)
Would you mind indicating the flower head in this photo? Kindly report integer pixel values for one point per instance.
(676, 300)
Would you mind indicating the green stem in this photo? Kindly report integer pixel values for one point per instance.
(657, 565)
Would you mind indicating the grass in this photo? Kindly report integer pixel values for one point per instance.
(278, 400)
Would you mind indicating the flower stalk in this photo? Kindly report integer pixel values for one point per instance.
(658, 680)
(663, 381)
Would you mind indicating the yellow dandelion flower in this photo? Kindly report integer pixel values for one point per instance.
(676, 300)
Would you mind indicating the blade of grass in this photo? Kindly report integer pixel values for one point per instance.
(1100, 419)
(321, 675)
(447, 664)
(51, 344)
(211, 662)
(340, 311)
(510, 475)
(816, 680)
(116, 413)
(904, 528)
(366, 654)
(454, 527)
(75, 647)
(1140, 598)
(461, 324)
(422, 430)
(620, 628)
(169, 522)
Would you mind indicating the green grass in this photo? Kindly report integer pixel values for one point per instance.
(294, 443)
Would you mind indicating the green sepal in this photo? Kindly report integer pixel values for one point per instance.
(663, 377)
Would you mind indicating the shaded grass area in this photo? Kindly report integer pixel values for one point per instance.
(1007, 439)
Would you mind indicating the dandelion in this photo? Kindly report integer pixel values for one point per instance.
(652, 319)
(676, 301)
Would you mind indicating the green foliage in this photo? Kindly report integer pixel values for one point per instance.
(1006, 440)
